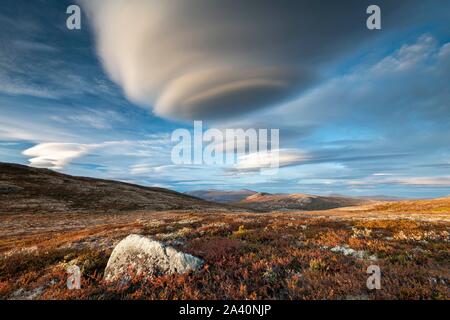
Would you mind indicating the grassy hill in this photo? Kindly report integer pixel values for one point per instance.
(28, 190)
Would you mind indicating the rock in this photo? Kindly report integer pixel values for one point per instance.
(22, 294)
(141, 256)
(353, 253)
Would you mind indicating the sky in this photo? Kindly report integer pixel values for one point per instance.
(360, 112)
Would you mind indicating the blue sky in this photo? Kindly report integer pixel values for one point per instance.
(361, 112)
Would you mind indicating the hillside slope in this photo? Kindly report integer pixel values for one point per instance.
(29, 190)
(429, 206)
(221, 195)
(271, 202)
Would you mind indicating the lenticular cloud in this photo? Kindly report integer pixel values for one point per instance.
(204, 59)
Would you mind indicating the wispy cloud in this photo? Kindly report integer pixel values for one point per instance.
(33, 46)
(425, 181)
(98, 119)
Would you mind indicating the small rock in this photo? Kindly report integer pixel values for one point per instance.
(139, 255)
(353, 253)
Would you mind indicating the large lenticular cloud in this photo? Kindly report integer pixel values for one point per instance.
(204, 59)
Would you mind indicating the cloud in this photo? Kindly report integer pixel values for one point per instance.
(206, 59)
(144, 168)
(388, 180)
(408, 56)
(404, 94)
(426, 181)
(36, 62)
(27, 45)
(148, 168)
(97, 119)
(32, 130)
(56, 155)
(260, 160)
(17, 86)
(387, 121)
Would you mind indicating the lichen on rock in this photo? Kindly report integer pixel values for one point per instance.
(141, 256)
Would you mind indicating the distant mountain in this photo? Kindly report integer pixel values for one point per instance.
(271, 202)
(222, 196)
(261, 201)
(25, 189)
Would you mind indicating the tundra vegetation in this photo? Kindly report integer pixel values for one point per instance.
(277, 255)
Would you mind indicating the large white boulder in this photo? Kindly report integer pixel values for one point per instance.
(138, 255)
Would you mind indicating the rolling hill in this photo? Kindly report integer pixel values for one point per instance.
(25, 189)
(427, 206)
(272, 202)
(260, 201)
(222, 196)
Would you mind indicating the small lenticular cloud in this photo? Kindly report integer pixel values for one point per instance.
(56, 155)
(266, 160)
